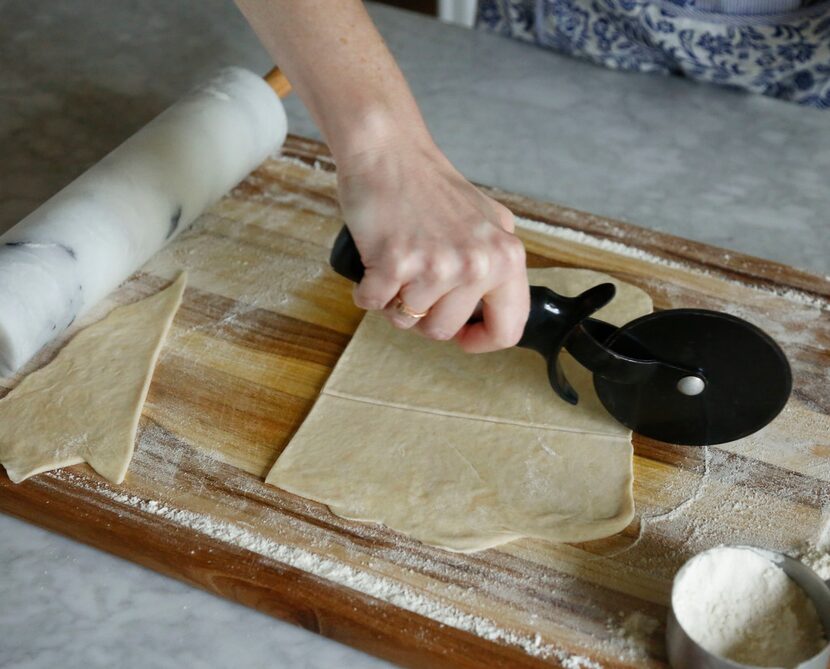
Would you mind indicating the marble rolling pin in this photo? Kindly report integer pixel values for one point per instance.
(88, 238)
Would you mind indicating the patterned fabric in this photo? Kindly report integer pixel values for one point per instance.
(784, 54)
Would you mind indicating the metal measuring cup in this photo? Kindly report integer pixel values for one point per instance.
(685, 653)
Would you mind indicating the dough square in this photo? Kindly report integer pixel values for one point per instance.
(465, 452)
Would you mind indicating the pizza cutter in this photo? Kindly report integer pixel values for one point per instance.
(682, 376)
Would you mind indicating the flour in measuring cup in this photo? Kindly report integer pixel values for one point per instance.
(739, 605)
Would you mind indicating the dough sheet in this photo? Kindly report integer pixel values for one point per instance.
(466, 452)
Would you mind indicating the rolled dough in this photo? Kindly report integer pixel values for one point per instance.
(466, 452)
(84, 406)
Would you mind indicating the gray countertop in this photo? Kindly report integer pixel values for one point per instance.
(743, 172)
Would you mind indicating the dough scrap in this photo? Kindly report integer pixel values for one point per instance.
(466, 452)
(84, 406)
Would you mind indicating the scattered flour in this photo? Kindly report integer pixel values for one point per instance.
(737, 604)
(317, 165)
(586, 239)
(634, 632)
(367, 583)
(816, 559)
(619, 248)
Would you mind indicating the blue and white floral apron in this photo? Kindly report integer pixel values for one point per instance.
(779, 48)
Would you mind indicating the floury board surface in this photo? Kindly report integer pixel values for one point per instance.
(262, 324)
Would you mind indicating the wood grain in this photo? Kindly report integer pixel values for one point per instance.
(262, 324)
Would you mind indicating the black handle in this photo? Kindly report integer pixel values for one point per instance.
(345, 258)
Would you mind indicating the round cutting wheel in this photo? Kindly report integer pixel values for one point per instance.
(742, 380)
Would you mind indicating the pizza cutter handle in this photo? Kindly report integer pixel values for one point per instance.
(345, 258)
(545, 305)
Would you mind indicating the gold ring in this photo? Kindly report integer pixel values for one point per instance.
(402, 308)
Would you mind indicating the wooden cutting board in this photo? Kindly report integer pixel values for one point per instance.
(262, 324)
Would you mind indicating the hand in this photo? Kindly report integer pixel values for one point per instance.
(428, 236)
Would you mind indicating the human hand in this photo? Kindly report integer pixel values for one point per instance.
(428, 237)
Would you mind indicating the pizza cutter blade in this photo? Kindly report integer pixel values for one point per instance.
(740, 377)
(682, 376)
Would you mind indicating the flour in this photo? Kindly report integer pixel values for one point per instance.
(366, 582)
(816, 558)
(818, 561)
(741, 606)
(619, 248)
(792, 295)
(634, 633)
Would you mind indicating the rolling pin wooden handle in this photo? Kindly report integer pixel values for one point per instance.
(277, 80)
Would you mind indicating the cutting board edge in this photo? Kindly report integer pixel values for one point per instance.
(290, 594)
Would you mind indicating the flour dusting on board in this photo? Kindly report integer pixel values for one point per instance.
(634, 631)
(315, 165)
(332, 570)
(816, 559)
(816, 554)
(619, 248)
(326, 178)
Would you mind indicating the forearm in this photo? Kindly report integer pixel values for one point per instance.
(340, 67)
(428, 238)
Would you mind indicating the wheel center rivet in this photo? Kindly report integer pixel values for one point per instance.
(691, 385)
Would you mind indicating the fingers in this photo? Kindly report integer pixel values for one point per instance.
(450, 287)
(417, 297)
(383, 279)
(505, 311)
(449, 314)
(445, 271)
(375, 291)
(505, 300)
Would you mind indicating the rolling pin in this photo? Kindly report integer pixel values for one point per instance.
(89, 237)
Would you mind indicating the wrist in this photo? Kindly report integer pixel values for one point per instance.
(378, 131)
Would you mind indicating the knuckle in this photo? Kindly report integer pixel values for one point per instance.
(393, 248)
(512, 251)
(439, 266)
(394, 271)
(394, 254)
(475, 265)
(394, 266)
